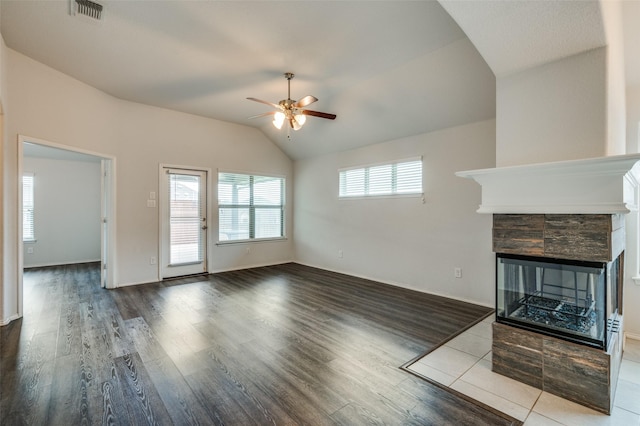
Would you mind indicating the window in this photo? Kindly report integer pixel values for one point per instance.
(28, 233)
(250, 207)
(399, 178)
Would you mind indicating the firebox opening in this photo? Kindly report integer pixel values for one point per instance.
(573, 300)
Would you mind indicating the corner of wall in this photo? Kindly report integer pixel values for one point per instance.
(616, 103)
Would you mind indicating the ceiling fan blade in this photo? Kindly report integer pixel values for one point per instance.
(319, 114)
(265, 102)
(307, 100)
(263, 114)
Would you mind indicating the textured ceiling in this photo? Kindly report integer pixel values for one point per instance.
(388, 69)
(515, 35)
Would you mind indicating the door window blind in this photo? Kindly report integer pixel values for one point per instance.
(398, 178)
(28, 228)
(186, 211)
(250, 207)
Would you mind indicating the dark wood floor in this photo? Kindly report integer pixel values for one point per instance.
(285, 344)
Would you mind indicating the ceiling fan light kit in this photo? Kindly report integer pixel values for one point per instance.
(292, 111)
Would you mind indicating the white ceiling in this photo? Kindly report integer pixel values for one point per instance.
(517, 35)
(388, 69)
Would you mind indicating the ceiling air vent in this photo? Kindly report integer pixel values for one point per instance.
(87, 8)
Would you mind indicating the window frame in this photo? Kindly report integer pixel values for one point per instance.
(252, 207)
(32, 237)
(393, 193)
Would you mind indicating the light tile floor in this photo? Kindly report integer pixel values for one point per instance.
(464, 364)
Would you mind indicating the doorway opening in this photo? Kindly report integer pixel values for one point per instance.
(79, 195)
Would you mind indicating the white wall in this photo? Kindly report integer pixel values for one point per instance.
(553, 112)
(49, 105)
(633, 119)
(67, 212)
(401, 240)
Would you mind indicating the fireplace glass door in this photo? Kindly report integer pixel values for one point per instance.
(561, 298)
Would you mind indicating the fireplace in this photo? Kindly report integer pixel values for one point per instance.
(569, 299)
(559, 241)
(559, 303)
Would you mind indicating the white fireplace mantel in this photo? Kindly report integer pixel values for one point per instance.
(603, 185)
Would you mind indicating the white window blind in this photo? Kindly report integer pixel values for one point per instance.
(399, 178)
(250, 207)
(28, 231)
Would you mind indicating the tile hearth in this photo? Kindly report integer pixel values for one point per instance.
(464, 364)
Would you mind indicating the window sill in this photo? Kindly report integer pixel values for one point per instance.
(365, 197)
(29, 241)
(255, 240)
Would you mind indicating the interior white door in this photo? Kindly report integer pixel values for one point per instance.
(183, 206)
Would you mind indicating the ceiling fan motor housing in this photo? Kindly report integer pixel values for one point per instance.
(287, 103)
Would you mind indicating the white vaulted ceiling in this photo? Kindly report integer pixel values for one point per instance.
(388, 69)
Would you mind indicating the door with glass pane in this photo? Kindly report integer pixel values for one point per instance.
(183, 207)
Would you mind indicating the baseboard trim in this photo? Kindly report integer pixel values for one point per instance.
(217, 271)
(397, 284)
(46, 265)
(631, 336)
(258, 265)
(6, 321)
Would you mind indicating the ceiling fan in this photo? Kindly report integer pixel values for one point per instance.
(292, 111)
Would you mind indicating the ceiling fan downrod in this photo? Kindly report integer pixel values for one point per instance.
(289, 76)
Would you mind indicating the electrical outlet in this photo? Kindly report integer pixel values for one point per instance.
(340, 254)
(457, 272)
(30, 250)
(152, 261)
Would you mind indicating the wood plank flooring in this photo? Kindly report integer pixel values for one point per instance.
(285, 344)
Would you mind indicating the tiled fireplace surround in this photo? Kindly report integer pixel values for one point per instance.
(581, 193)
(572, 371)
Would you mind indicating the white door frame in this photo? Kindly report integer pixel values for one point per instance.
(107, 226)
(110, 208)
(162, 196)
